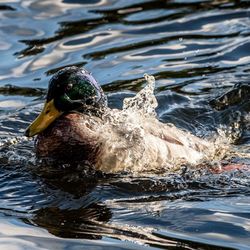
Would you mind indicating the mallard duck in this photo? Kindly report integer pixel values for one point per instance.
(71, 128)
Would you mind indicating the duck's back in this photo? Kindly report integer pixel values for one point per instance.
(150, 147)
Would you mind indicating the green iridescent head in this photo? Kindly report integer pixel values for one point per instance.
(71, 88)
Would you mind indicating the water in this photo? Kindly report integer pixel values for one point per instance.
(196, 50)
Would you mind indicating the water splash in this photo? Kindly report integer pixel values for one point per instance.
(134, 140)
(16, 150)
(144, 102)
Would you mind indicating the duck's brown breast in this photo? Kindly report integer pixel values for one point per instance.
(70, 138)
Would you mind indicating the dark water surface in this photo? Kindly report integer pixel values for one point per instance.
(196, 50)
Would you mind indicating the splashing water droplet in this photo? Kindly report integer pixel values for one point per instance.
(144, 102)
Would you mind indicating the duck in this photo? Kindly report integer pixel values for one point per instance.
(75, 126)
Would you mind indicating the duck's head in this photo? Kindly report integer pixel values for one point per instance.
(70, 89)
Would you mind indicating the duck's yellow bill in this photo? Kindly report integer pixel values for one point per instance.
(46, 117)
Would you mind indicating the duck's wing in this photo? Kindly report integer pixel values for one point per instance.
(164, 132)
(170, 139)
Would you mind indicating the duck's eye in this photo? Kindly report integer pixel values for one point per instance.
(69, 86)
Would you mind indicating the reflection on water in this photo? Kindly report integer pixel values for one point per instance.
(197, 51)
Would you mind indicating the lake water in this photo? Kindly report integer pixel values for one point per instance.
(197, 50)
